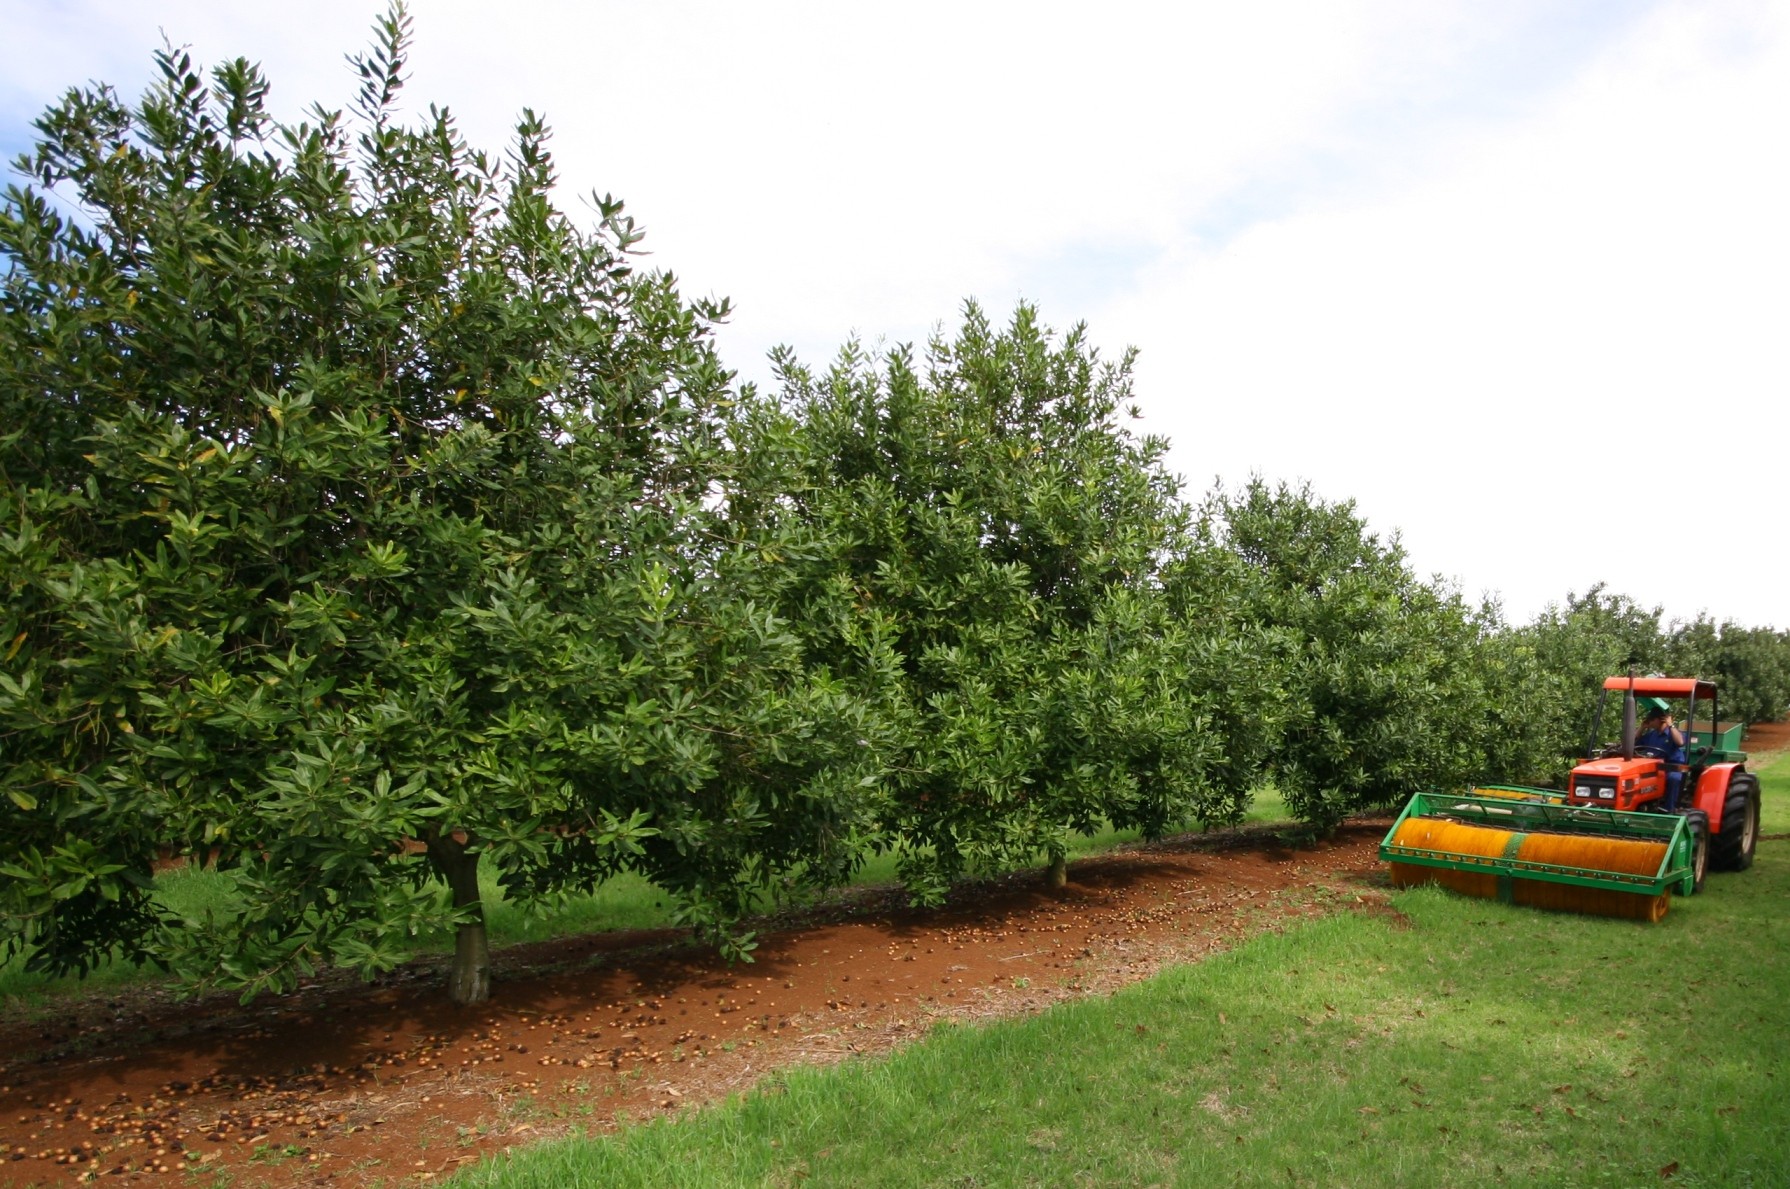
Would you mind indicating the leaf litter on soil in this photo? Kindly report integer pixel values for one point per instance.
(344, 1083)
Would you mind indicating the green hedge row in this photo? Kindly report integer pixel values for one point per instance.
(351, 494)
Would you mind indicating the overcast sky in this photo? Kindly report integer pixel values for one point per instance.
(1515, 277)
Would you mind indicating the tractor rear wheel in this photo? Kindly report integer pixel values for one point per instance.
(1699, 824)
(1732, 849)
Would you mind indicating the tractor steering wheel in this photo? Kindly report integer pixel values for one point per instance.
(1612, 750)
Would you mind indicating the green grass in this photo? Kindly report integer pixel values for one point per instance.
(1774, 791)
(1467, 1044)
(1266, 806)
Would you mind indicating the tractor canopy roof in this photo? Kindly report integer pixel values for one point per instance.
(1665, 687)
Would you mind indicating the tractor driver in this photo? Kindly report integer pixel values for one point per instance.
(1659, 734)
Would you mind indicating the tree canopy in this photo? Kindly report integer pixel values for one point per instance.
(353, 495)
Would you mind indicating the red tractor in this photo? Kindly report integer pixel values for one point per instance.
(1613, 842)
(1719, 797)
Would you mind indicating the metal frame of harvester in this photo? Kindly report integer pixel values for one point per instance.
(1606, 843)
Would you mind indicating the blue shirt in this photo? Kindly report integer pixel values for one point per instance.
(1661, 741)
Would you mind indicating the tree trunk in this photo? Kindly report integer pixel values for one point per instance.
(1057, 874)
(470, 980)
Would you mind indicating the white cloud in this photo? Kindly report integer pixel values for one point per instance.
(1502, 272)
(1545, 362)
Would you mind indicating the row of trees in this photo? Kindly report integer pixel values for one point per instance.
(352, 496)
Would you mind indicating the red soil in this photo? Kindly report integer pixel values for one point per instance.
(342, 1083)
(1764, 738)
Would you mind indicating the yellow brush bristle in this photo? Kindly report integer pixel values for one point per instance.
(1626, 855)
(1430, 833)
(1564, 850)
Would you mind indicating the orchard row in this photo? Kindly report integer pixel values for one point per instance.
(352, 496)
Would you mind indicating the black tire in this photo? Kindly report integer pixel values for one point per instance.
(1732, 849)
(1699, 823)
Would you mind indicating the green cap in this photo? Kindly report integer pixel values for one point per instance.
(1648, 707)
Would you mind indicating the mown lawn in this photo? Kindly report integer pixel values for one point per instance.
(1457, 1043)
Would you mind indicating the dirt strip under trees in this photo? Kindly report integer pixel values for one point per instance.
(343, 1083)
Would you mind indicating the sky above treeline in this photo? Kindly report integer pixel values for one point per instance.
(1512, 277)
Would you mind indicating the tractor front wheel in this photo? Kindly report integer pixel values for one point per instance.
(1733, 847)
(1699, 824)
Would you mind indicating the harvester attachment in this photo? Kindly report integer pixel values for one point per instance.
(1527, 846)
